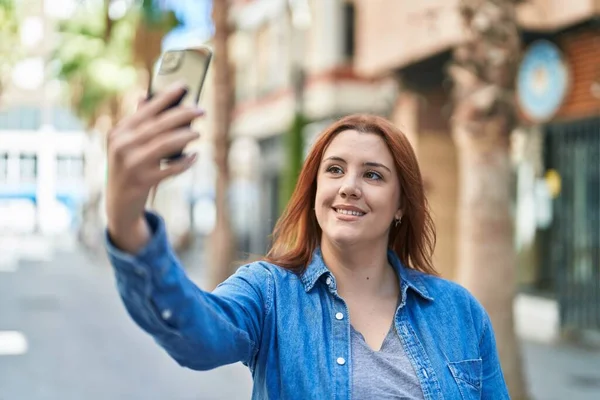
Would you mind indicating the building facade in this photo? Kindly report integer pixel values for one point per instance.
(272, 41)
(42, 144)
(555, 146)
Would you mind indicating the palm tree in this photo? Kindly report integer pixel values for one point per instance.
(96, 58)
(96, 65)
(221, 250)
(483, 71)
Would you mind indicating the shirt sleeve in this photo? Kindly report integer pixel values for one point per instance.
(200, 330)
(493, 384)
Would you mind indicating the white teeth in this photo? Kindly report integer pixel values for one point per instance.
(349, 212)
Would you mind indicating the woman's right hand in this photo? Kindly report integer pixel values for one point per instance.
(136, 146)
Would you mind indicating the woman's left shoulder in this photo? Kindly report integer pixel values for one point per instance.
(448, 293)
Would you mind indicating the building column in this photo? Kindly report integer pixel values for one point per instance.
(406, 116)
(332, 28)
(46, 179)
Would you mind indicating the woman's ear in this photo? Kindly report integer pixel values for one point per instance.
(398, 214)
(401, 207)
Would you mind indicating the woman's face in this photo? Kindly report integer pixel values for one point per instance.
(358, 195)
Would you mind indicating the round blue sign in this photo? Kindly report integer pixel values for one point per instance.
(542, 82)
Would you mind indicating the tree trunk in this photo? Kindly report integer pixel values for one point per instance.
(108, 22)
(483, 71)
(222, 248)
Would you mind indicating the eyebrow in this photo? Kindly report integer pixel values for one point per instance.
(368, 163)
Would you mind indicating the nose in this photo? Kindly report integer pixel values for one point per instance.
(350, 188)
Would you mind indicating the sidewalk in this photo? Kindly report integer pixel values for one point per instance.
(562, 371)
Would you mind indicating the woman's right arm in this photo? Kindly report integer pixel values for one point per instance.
(198, 329)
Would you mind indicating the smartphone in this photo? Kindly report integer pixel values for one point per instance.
(187, 65)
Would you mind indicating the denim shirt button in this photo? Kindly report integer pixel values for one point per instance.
(339, 316)
(328, 281)
(166, 314)
(341, 361)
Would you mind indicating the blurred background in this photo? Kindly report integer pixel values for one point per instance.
(284, 70)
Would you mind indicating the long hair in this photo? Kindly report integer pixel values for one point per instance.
(297, 233)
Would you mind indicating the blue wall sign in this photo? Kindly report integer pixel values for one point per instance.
(542, 81)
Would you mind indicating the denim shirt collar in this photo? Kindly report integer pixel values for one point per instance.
(409, 278)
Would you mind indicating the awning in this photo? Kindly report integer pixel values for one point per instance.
(391, 34)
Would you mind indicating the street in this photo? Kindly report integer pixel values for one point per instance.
(81, 344)
(64, 334)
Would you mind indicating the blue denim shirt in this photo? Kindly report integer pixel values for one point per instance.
(294, 332)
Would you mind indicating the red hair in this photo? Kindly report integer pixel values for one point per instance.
(297, 233)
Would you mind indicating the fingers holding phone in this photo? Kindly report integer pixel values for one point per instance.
(166, 123)
(181, 65)
(136, 148)
(158, 131)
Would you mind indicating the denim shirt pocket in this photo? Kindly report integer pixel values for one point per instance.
(467, 375)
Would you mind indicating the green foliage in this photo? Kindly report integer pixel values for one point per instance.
(97, 68)
(294, 147)
(154, 18)
(9, 39)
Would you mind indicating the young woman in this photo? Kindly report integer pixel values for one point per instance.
(346, 305)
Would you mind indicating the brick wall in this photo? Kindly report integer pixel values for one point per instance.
(582, 51)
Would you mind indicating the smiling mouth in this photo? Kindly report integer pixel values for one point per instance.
(349, 212)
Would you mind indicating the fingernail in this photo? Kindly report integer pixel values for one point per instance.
(192, 157)
(200, 111)
(179, 85)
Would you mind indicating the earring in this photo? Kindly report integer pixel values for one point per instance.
(398, 221)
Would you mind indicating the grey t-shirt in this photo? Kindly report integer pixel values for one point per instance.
(383, 374)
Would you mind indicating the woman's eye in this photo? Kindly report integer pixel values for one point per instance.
(373, 175)
(334, 170)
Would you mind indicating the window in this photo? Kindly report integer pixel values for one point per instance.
(280, 51)
(69, 169)
(317, 35)
(349, 17)
(28, 166)
(3, 168)
(271, 58)
(264, 51)
(243, 56)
